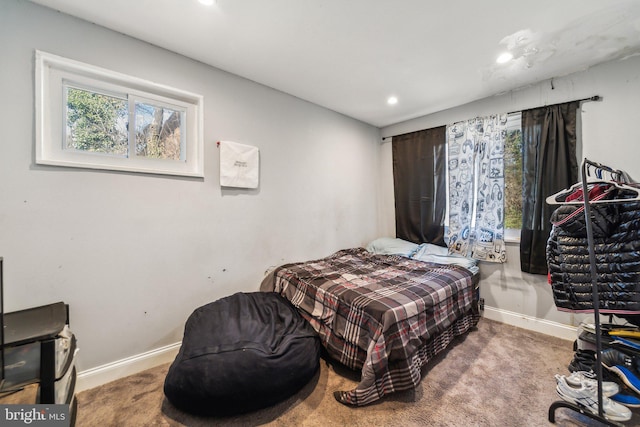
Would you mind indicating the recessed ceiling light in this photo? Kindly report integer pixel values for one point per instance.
(207, 2)
(392, 100)
(505, 57)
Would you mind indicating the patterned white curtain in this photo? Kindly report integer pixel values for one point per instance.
(475, 151)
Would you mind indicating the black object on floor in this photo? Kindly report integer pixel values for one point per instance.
(242, 353)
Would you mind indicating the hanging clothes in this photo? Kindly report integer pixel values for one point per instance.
(616, 235)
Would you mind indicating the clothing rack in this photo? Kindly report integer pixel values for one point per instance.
(595, 298)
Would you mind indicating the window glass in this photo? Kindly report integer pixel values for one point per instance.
(158, 132)
(513, 173)
(96, 122)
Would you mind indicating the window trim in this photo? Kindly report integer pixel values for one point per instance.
(53, 72)
(512, 235)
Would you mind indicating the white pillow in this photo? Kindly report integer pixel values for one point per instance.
(430, 249)
(439, 255)
(392, 246)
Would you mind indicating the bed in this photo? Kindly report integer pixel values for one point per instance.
(385, 310)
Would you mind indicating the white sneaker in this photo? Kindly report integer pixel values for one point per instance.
(588, 378)
(587, 397)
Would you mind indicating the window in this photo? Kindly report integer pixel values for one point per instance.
(90, 117)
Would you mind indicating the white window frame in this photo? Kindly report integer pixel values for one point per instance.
(54, 72)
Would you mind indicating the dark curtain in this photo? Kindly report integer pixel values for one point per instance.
(419, 179)
(549, 165)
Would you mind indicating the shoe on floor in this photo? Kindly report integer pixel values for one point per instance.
(613, 357)
(627, 400)
(627, 377)
(587, 398)
(589, 379)
(583, 360)
(620, 364)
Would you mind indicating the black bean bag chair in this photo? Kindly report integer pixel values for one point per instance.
(242, 353)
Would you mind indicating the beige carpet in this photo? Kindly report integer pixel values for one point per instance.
(497, 375)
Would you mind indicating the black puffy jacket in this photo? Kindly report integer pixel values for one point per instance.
(616, 232)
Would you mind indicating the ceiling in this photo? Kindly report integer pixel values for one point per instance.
(352, 55)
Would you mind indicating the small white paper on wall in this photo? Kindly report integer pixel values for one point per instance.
(239, 165)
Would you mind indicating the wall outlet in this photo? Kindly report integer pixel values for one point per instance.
(481, 303)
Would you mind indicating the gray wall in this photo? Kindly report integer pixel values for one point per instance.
(608, 137)
(134, 254)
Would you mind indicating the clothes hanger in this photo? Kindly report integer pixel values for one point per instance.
(615, 175)
(619, 180)
(559, 197)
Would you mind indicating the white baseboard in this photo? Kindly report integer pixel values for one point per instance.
(121, 368)
(546, 327)
(131, 365)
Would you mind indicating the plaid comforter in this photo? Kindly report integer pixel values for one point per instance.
(380, 313)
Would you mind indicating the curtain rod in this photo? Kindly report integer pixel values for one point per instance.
(591, 98)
